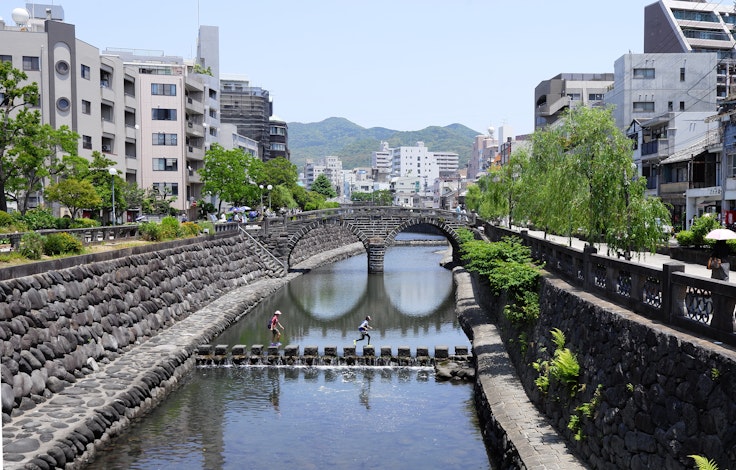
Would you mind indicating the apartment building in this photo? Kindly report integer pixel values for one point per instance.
(565, 91)
(250, 109)
(179, 118)
(485, 150)
(651, 84)
(94, 96)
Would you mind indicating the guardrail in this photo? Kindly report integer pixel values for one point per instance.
(699, 305)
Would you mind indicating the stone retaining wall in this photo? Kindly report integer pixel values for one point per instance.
(664, 395)
(59, 325)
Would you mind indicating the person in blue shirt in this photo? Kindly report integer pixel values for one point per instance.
(363, 329)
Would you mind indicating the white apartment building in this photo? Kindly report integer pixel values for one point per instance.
(330, 166)
(382, 159)
(230, 139)
(651, 84)
(566, 91)
(92, 95)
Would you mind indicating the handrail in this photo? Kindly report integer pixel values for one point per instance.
(263, 248)
(699, 305)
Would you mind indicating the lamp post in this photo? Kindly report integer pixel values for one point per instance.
(269, 187)
(261, 208)
(113, 172)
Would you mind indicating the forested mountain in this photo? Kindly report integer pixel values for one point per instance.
(355, 144)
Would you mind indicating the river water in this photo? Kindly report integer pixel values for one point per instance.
(318, 417)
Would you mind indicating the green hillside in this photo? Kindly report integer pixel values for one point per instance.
(355, 144)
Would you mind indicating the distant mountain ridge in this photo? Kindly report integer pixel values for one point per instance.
(355, 144)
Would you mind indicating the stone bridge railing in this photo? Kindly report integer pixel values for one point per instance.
(704, 307)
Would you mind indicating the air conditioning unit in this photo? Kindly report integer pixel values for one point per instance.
(106, 148)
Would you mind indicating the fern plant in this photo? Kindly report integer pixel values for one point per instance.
(703, 463)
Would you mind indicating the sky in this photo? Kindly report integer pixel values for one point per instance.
(399, 64)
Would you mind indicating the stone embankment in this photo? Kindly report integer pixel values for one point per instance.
(87, 348)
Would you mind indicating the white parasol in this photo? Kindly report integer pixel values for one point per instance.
(721, 234)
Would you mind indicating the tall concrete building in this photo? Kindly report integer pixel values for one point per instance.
(485, 149)
(565, 91)
(650, 84)
(94, 96)
(695, 26)
(179, 117)
(250, 109)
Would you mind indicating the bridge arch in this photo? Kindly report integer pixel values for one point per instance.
(376, 229)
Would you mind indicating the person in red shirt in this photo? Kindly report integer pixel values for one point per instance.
(275, 325)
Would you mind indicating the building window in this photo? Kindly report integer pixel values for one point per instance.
(6, 58)
(85, 72)
(682, 74)
(670, 106)
(213, 131)
(63, 104)
(595, 96)
(682, 106)
(86, 142)
(213, 113)
(86, 107)
(165, 164)
(164, 139)
(167, 189)
(731, 169)
(643, 106)
(158, 114)
(574, 96)
(643, 73)
(166, 89)
(31, 63)
(62, 67)
(278, 147)
(213, 94)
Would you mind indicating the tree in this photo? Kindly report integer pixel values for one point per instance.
(74, 194)
(322, 185)
(279, 171)
(15, 118)
(231, 175)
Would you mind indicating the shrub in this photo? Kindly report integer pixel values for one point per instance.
(31, 245)
(63, 223)
(700, 228)
(685, 238)
(150, 231)
(58, 243)
(170, 228)
(84, 223)
(209, 226)
(39, 219)
(5, 219)
(189, 229)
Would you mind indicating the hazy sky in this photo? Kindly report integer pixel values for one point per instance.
(400, 64)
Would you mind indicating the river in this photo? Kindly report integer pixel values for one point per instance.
(317, 417)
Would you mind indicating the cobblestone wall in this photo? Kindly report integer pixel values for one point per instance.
(663, 395)
(57, 326)
(320, 240)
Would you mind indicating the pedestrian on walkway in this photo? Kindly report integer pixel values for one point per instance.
(363, 329)
(718, 263)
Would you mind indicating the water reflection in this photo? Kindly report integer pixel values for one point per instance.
(321, 417)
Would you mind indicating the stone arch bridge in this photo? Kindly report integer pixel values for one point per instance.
(375, 227)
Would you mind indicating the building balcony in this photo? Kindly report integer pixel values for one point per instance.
(194, 106)
(195, 153)
(659, 148)
(193, 129)
(108, 126)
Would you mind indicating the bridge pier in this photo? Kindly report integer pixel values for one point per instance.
(376, 252)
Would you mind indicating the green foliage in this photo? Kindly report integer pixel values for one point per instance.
(208, 226)
(6, 219)
(702, 463)
(685, 238)
(715, 374)
(150, 231)
(524, 310)
(230, 175)
(464, 235)
(563, 367)
(170, 228)
(382, 197)
(74, 194)
(83, 222)
(204, 209)
(39, 219)
(322, 185)
(700, 228)
(31, 245)
(61, 243)
(630, 387)
(190, 229)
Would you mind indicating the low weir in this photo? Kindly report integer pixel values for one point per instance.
(291, 355)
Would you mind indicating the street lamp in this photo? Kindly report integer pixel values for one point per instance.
(269, 187)
(261, 208)
(113, 172)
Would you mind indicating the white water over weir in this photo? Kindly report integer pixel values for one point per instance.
(223, 354)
